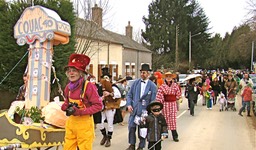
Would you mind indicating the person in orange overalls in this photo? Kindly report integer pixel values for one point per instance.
(81, 102)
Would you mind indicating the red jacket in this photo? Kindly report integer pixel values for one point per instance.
(247, 94)
(91, 99)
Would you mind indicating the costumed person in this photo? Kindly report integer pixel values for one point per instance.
(81, 102)
(222, 101)
(193, 91)
(22, 90)
(231, 86)
(167, 94)
(247, 98)
(111, 100)
(141, 93)
(209, 98)
(204, 90)
(159, 79)
(156, 125)
(122, 85)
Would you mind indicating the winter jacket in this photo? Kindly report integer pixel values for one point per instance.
(156, 126)
(247, 94)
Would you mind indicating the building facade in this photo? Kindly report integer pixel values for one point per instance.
(120, 53)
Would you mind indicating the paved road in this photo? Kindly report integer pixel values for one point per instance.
(207, 130)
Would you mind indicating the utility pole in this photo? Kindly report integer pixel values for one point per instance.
(252, 66)
(189, 51)
(189, 46)
(177, 49)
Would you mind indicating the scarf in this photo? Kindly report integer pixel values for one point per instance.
(74, 85)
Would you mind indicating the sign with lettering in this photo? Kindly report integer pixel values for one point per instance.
(37, 21)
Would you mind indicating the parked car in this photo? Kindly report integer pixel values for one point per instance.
(182, 81)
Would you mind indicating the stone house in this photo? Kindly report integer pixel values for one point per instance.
(120, 53)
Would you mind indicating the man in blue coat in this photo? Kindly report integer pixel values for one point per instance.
(142, 93)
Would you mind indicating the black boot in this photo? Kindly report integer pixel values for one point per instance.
(175, 135)
(108, 142)
(248, 113)
(104, 139)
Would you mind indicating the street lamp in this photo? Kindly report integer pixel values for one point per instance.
(189, 46)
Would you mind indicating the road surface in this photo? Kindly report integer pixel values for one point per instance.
(207, 130)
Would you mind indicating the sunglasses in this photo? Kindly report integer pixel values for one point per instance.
(156, 110)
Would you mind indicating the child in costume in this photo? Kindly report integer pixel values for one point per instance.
(81, 102)
(156, 125)
(222, 101)
(209, 98)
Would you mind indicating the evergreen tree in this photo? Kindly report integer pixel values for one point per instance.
(160, 32)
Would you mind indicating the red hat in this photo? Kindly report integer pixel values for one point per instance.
(79, 61)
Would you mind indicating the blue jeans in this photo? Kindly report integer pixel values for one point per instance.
(244, 105)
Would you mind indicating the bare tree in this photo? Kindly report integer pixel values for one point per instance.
(87, 28)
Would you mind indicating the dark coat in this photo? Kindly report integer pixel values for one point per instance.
(156, 126)
(215, 86)
(192, 95)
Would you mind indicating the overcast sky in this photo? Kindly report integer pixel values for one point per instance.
(223, 15)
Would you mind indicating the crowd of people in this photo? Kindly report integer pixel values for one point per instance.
(152, 102)
(152, 106)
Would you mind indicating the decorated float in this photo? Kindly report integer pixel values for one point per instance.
(41, 28)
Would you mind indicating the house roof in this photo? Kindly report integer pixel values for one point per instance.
(90, 29)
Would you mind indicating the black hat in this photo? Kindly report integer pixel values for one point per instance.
(153, 104)
(105, 72)
(145, 67)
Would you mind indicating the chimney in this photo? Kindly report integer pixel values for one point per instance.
(97, 15)
(128, 31)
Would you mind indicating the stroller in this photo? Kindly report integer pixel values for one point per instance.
(231, 101)
(230, 104)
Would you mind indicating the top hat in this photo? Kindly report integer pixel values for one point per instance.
(154, 103)
(78, 61)
(145, 67)
(105, 72)
(173, 75)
